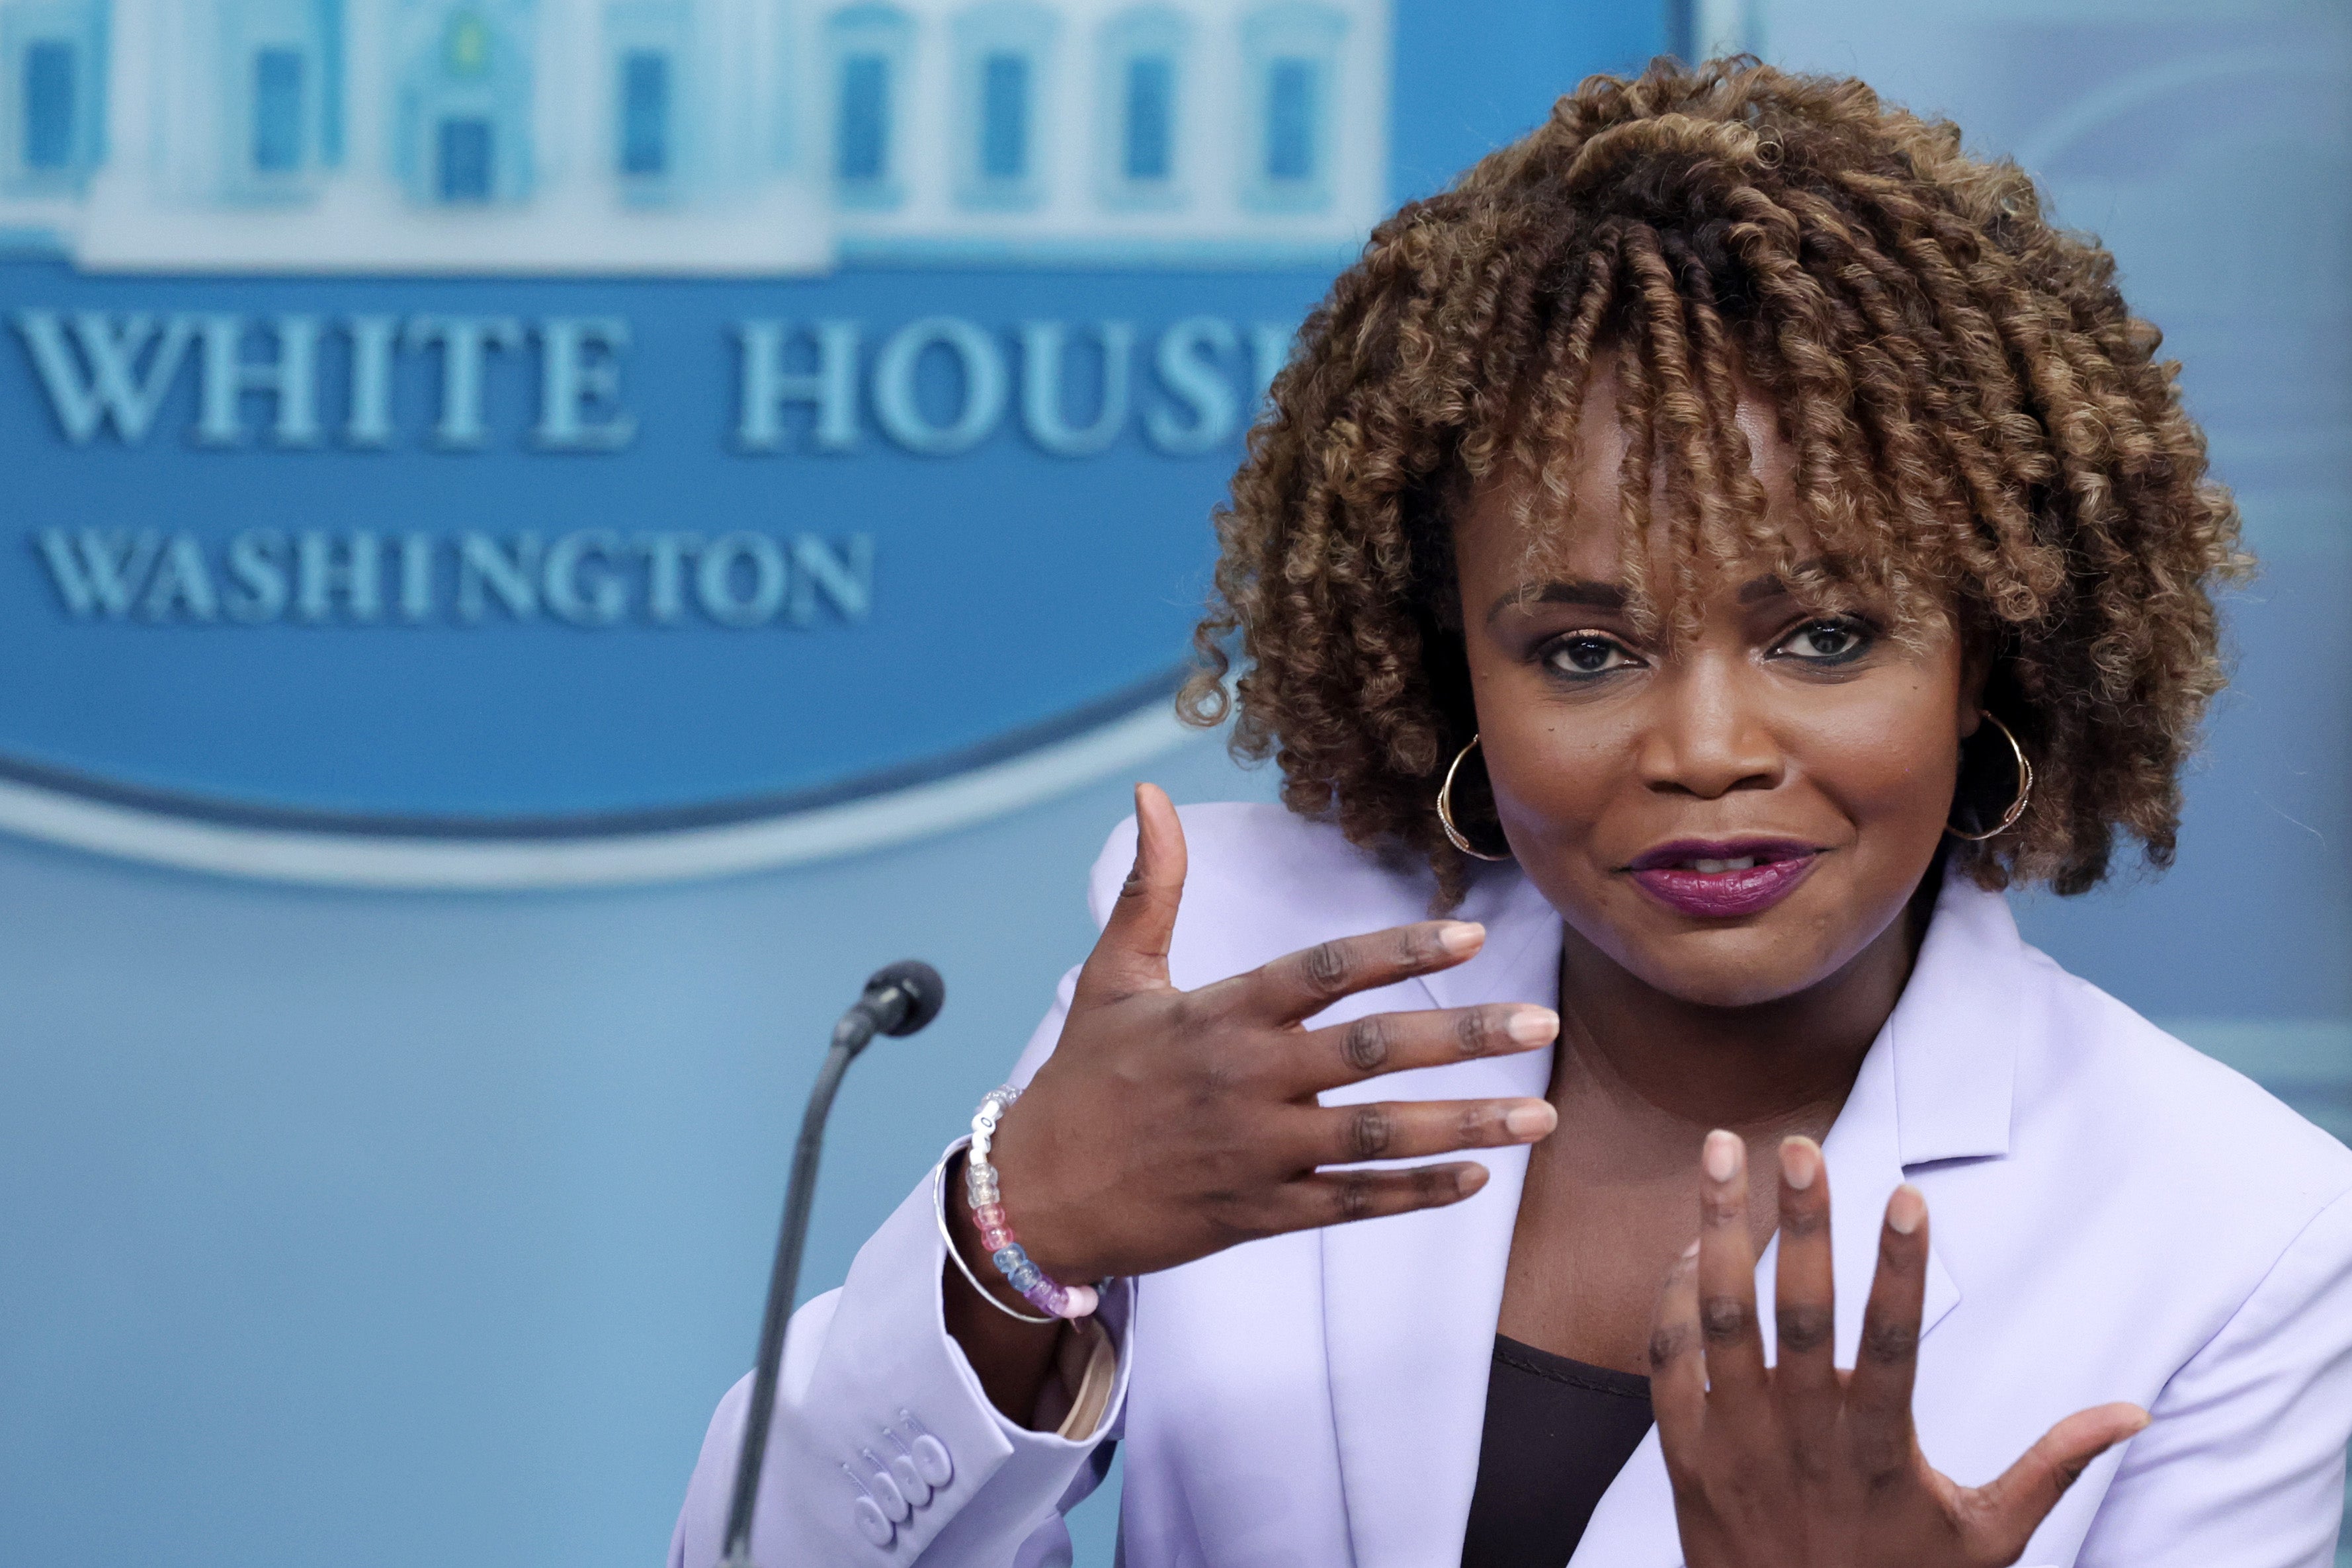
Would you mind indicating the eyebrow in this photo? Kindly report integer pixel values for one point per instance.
(1769, 585)
(1609, 596)
(1574, 590)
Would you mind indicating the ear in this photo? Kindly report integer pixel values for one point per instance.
(1975, 673)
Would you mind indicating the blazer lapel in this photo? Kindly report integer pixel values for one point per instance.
(1410, 1301)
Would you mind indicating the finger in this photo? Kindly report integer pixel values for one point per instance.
(1408, 1130)
(1878, 1394)
(1340, 1197)
(1302, 983)
(1804, 1291)
(1396, 1042)
(2011, 1507)
(1132, 955)
(1727, 1275)
(1677, 1361)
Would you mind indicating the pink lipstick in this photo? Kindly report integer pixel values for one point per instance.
(1718, 879)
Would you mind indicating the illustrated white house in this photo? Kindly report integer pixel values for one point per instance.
(687, 136)
(1102, 127)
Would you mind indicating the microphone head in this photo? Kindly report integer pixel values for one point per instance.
(919, 984)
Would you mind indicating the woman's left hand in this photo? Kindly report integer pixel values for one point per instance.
(1800, 1465)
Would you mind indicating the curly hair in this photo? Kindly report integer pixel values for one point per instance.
(1978, 427)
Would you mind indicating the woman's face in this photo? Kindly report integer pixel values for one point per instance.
(1733, 821)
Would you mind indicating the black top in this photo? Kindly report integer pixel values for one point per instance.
(1558, 1431)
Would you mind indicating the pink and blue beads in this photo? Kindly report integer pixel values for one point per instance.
(981, 1187)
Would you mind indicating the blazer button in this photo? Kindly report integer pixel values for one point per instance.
(871, 1524)
(910, 1480)
(931, 1459)
(893, 1502)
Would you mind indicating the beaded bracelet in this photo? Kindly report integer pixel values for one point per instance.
(1071, 1302)
(955, 1253)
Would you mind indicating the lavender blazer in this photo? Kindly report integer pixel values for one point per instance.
(2115, 1217)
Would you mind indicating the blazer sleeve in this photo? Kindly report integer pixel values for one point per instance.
(2244, 1461)
(885, 1450)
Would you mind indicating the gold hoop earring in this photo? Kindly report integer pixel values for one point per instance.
(1446, 808)
(2024, 786)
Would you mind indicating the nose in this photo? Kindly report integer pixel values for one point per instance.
(1709, 735)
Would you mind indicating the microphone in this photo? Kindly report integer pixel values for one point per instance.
(898, 999)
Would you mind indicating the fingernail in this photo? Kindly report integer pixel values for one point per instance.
(1800, 1162)
(1905, 1210)
(1690, 1252)
(1532, 1026)
(1461, 936)
(1469, 1179)
(1721, 1160)
(1531, 1119)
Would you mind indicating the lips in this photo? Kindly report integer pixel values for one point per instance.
(1720, 879)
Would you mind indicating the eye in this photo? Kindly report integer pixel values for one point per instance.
(1588, 653)
(1829, 642)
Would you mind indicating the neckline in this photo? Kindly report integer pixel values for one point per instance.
(1556, 1368)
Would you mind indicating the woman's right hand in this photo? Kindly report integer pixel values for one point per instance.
(1170, 1124)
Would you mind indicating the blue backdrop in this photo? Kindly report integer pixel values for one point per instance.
(422, 1227)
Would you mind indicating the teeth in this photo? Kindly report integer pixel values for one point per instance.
(1709, 868)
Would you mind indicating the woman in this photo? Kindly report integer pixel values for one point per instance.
(1701, 558)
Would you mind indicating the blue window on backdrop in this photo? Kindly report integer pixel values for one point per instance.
(863, 137)
(463, 152)
(1148, 152)
(645, 113)
(48, 105)
(277, 111)
(1004, 117)
(1290, 120)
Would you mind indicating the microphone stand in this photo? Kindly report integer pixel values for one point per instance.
(897, 1001)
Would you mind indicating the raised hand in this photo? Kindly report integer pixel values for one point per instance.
(1801, 1465)
(1170, 1124)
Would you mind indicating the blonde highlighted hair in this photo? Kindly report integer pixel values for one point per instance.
(1977, 423)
